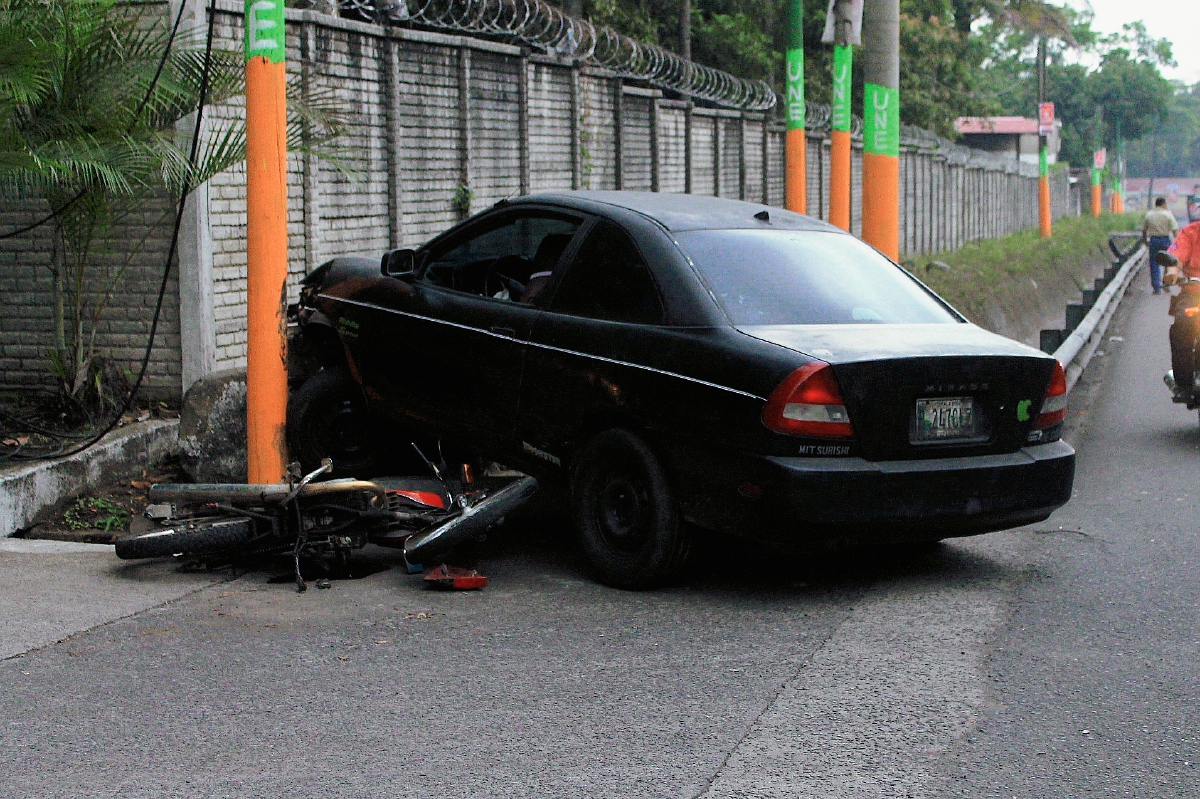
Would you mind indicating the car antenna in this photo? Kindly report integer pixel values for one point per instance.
(763, 216)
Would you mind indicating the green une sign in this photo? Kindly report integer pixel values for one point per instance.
(264, 30)
(881, 120)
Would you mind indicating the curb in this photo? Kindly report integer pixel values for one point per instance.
(27, 489)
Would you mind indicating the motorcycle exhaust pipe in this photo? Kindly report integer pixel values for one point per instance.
(1169, 379)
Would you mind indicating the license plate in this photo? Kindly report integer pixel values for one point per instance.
(944, 419)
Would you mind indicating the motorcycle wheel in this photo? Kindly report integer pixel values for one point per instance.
(327, 417)
(468, 523)
(188, 538)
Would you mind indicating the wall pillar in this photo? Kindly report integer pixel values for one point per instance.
(395, 147)
(688, 140)
(523, 124)
(618, 134)
(311, 176)
(655, 151)
(766, 160)
(718, 152)
(194, 253)
(464, 117)
(742, 156)
(576, 139)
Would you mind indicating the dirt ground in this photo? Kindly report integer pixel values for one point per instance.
(103, 515)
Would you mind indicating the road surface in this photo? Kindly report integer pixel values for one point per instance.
(1059, 660)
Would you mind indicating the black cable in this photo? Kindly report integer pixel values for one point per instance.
(162, 64)
(185, 189)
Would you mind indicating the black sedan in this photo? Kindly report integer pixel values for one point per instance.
(681, 360)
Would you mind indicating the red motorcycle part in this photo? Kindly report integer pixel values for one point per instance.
(427, 498)
(454, 578)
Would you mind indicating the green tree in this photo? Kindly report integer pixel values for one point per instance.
(1120, 100)
(1173, 148)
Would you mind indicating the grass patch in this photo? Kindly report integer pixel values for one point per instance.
(1011, 284)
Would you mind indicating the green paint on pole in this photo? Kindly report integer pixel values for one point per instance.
(1097, 176)
(1043, 162)
(1116, 184)
(264, 30)
(843, 69)
(795, 65)
(881, 120)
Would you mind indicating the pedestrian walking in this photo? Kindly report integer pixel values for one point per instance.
(1158, 231)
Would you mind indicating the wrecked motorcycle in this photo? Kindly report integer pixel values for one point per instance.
(325, 521)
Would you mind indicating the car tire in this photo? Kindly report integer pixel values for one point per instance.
(626, 516)
(327, 417)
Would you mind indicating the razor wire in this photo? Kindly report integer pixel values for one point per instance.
(538, 24)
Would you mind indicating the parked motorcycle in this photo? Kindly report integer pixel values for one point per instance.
(325, 521)
(1184, 303)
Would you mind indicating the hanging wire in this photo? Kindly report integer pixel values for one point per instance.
(538, 24)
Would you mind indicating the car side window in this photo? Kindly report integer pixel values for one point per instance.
(608, 279)
(498, 260)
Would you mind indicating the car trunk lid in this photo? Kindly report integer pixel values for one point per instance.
(930, 390)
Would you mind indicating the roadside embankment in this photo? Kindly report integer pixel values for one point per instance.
(1019, 284)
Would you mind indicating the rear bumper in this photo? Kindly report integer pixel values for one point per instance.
(827, 500)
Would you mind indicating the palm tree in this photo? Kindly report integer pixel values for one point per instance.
(91, 94)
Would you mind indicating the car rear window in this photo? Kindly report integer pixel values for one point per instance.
(779, 277)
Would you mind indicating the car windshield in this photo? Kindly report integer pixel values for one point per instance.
(779, 277)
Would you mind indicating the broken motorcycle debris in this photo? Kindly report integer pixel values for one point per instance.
(217, 523)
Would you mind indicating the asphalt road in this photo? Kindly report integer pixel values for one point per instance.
(972, 669)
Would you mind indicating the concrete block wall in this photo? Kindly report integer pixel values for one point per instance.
(127, 265)
(435, 120)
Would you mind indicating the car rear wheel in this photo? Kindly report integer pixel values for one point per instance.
(327, 417)
(625, 514)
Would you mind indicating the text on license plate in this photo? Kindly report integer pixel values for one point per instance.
(945, 418)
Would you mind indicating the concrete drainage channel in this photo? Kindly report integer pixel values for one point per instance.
(27, 488)
(1086, 321)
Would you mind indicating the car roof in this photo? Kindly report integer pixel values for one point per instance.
(681, 212)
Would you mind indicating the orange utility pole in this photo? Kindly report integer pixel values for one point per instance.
(1118, 191)
(266, 242)
(843, 30)
(1045, 110)
(1045, 222)
(1098, 159)
(795, 179)
(881, 126)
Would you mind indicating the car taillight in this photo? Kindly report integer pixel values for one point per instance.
(1054, 407)
(809, 403)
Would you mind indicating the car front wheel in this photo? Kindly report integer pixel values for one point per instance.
(327, 417)
(625, 514)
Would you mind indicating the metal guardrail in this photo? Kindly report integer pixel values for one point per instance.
(1080, 344)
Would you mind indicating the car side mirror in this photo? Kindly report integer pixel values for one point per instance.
(399, 263)
(1164, 258)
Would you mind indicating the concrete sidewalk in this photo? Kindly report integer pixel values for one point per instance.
(51, 590)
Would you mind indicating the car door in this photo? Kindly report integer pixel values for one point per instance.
(450, 350)
(604, 314)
